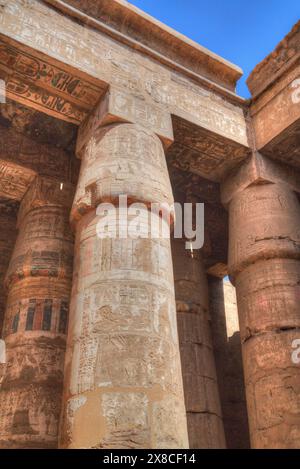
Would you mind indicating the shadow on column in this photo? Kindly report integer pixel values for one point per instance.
(228, 357)
(8, 234)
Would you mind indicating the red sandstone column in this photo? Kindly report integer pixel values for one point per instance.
(123, 384)
(229, 364)
(204, 417)
(8, 233)
(38, 281)
(264, 252)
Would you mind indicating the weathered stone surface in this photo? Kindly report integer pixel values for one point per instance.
(268, 297)
(273, 381)
(14, 181)
(200, 151)
(128, 151)
(38, 281)
(22, 158)
(258, 170)
(119, 106)
(263, 224)
(228, 356)
(36, 79)
(31, 389)
(283, 101)
(286, 54)
(161, 41)
(8, 234)
(285, 148)
(189, 187)
(264, 252)
(37, 126)
(122, 371)
(102, 58)
(204, 417)
(275, 109)
(136, 89)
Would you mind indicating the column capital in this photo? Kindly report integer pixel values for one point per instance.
(258, 169)
(122, 158)
(14, 180)
(118, 106)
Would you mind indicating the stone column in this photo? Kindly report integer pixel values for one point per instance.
(264, 252)
(123, 384)
(38, 282)
(228, 356)
(8, 233)
(204, 417)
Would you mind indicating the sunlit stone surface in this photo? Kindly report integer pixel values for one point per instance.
(100, 107)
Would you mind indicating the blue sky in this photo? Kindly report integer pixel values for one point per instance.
(241, 31)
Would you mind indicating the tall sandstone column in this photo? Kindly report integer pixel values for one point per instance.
(123, 384)
(39, 283)
(229, 363)
(204, 416)
(264, 253)
(8, 234)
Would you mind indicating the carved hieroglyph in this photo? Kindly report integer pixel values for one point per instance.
(8, 234)
(277, 109)
(123, 384)
(200, 151)
(204, 417)
(264, 253)
(108, 61)
(39, 282)
(14, 180)
(229, 364)
(36, 80)
(22, 158)
(275, 106)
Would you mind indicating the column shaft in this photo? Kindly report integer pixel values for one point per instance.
(204, 417)
(264, 253)
(123, 386)
(38, 281)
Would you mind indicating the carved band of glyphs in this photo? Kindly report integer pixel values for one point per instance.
(31, 79)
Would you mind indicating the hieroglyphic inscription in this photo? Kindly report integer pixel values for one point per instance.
(31, 80)
(104, 59)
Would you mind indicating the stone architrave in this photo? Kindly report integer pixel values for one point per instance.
(123, 372)
(264, 264)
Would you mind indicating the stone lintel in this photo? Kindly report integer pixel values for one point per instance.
(257, 170)
(118, 106)
(44, 191)
(2, 371)
(267, 72)
(202, 152)
(277, 108)
(135, 28)
(32, 157)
